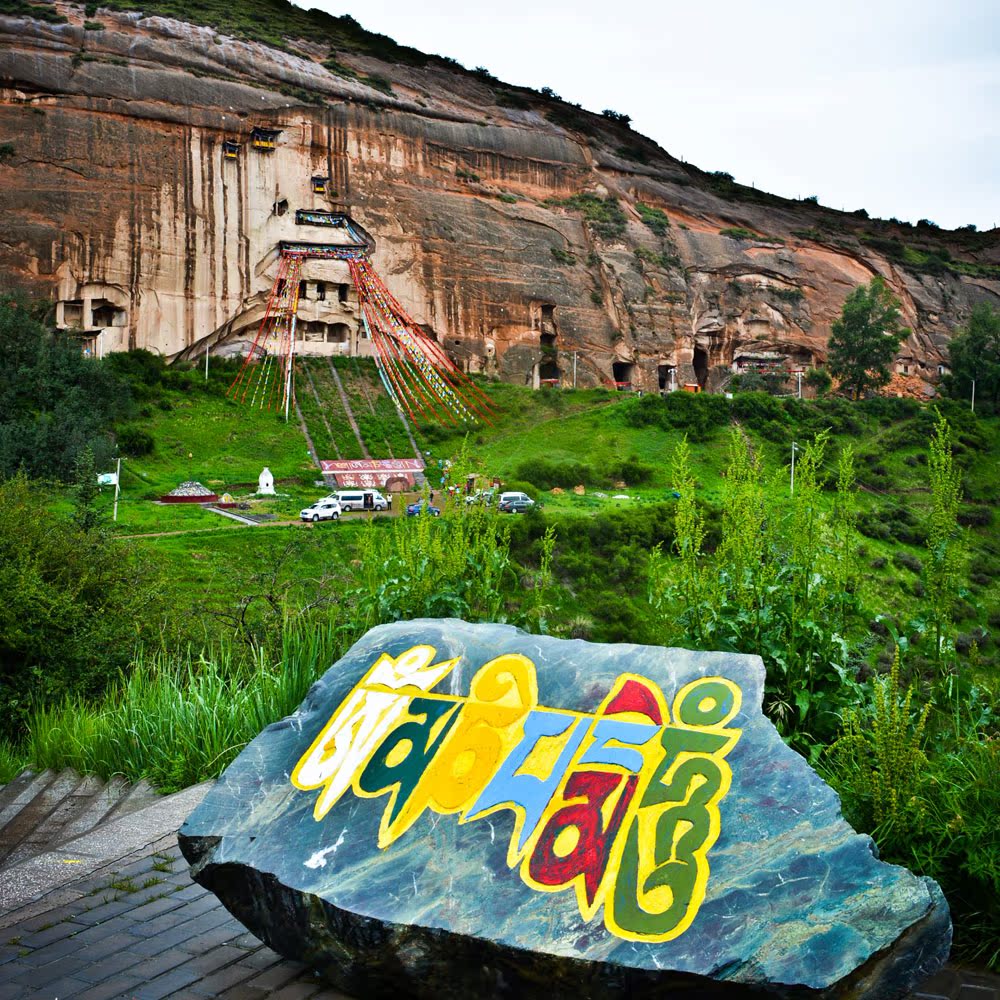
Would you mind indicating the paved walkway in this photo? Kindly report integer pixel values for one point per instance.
(141, 929)
(138, 928)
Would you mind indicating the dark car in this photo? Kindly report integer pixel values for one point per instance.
(422, 507)
(515, 505)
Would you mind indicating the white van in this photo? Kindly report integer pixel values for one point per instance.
(359, 499)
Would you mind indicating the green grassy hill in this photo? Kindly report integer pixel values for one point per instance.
(617, 447)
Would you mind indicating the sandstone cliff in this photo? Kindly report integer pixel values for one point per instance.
(517, 230)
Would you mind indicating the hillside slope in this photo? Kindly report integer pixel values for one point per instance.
(516, 228)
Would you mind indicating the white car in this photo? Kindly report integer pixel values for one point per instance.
(322, 510)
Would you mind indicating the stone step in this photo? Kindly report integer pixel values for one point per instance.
(40, 812)
(135, 797)
(65, 798)
(23, 789)
(24, 833)
(103, 799)
(14, 788)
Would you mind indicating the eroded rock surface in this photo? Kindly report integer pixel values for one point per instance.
(119, 199)
(470, 810)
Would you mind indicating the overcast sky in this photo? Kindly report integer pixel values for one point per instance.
(886, 105)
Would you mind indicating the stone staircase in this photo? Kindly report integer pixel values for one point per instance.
(38, 812)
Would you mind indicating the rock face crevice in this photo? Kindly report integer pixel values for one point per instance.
(119, 191)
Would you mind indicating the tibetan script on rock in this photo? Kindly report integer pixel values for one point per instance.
(621, 805)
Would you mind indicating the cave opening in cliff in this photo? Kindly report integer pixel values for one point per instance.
(106, 314)
(700, 364)
(666, 377)
(548, 371)
(342, 291)
(622, 371)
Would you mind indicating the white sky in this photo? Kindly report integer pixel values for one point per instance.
(888, 105)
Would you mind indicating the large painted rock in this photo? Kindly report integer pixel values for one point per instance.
(471, 811)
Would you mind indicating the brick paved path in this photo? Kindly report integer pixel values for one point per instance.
(144, 930)
(140, 929)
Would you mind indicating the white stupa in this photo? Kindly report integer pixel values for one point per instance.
(265, 483)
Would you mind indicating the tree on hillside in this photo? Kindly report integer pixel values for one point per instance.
(975, 355)
(76, 605)
(54, 403)
(865, 338)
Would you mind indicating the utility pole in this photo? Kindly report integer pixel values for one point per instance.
(795, 448)
(973, 404)
(798, 377)
(574, 369)
(206, 360)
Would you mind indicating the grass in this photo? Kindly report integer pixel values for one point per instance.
(176, 720)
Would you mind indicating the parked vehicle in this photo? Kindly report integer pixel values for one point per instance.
(485, 497)
(422, 507)
(515, 503)
(326, 509)
(359, 500)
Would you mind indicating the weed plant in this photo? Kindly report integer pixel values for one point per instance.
(177, 720)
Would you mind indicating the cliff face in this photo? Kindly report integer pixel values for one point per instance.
(515, 241)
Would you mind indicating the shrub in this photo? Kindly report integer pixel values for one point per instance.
(563, 256)
(7, 151)
(655, 218)
(740, 233)
(93, 26)
(631, 470)
(618, 116)
(547, 474)
(908, 561)
(819, 380)
(76, 602)
(658, 258)
(975, 517)
(603, 215)
(134, 441)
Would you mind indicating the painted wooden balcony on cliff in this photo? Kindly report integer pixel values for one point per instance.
(264, 139)
(230, 150)
(358, 237)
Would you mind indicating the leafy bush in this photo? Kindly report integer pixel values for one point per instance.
(604, 216)
(134, 441)
(547, 474)
(659, 258)
(631, 470)
(655, 218)
(54, 403)
(76, 602)
(908, 561)
(698, 414)
(740, 233)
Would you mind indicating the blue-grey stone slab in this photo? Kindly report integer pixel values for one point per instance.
(792, 902)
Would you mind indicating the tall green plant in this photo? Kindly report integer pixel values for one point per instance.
(879, 758)
(769, 588)
(945, 545)
(843, 531)
(688, 574)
